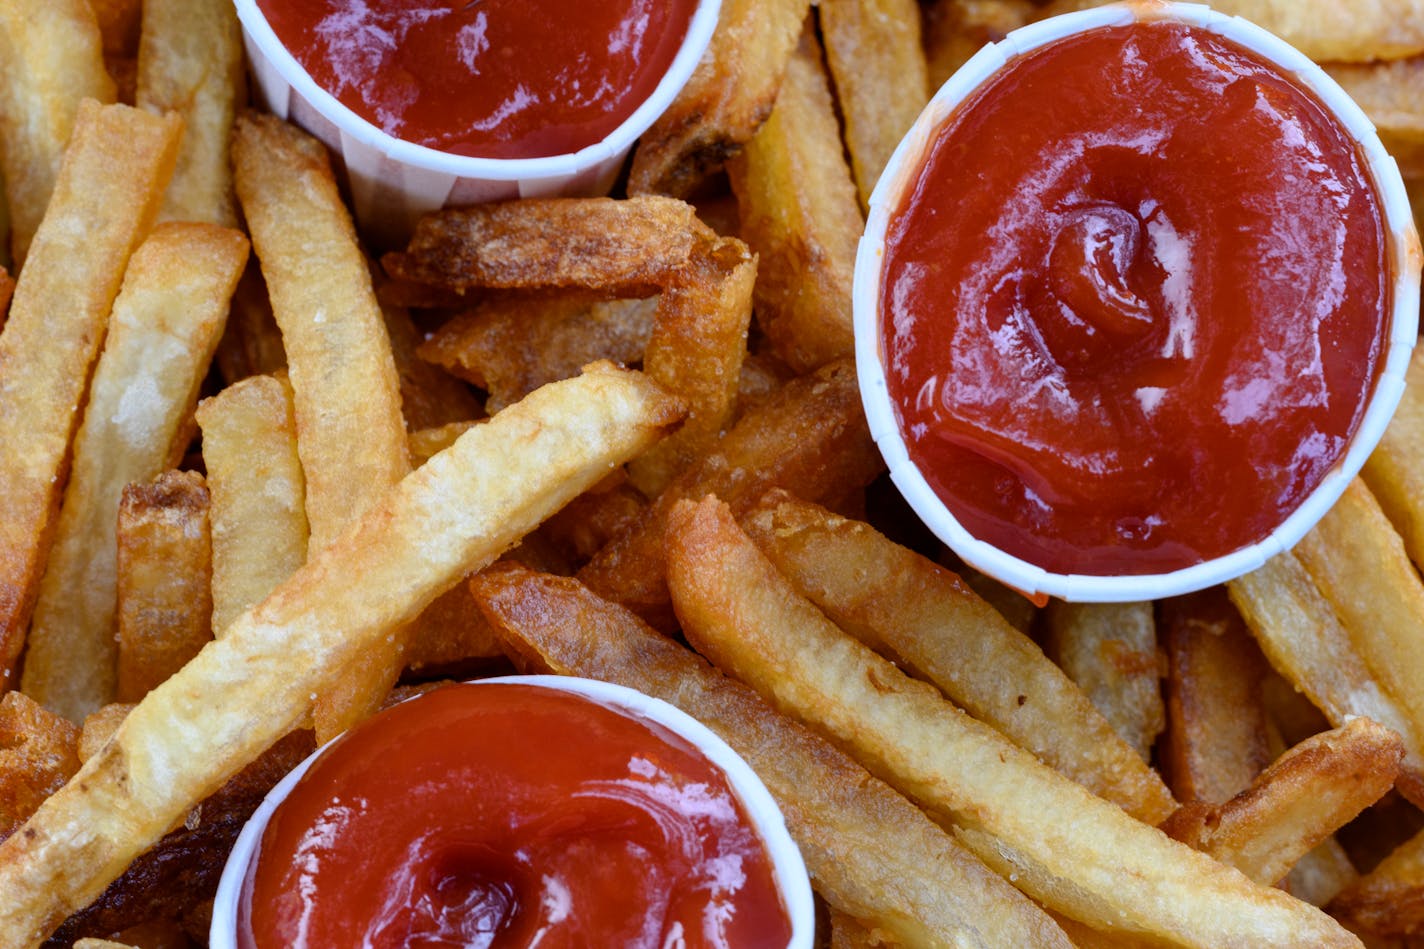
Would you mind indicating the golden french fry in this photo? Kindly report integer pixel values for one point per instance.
(1395, 469)
(165, 568)
(847, 932)
(104, 201)
(724, 103)
(800, 214)
(877, 63)
(51, 58)
(246, 690)
(190, 62)
(594, 519)
(100, 726)
(426, 443)
(698, 340)
(259, 521)
(38, 753)
(430, 397)
(1070, 850)
(1319, 876)
(252, 343)
(957, 29)
(1110, 650)
(1389, 93)
(901, 604)
(101, 944)
(1216, 741)
(872, 853)
(1306, 795)
(1389, 900)
(164, 327)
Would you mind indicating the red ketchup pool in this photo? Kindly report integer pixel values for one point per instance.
(507, 815)
(1134, 301)
(488, 78)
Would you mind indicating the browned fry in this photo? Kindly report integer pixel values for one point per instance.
(762, 376)
(1319, 876)
(430, 397)
(1063, 846)
(878, 65)
(1291, 714)
(100, 726)
(1110, 650)
(251, 343)
(51, 59)
(928, 620)
(1216, 741)
(165, 570)
(426, 443)
(124, 71)
(698, 341)
(593, 519)
(1012, 605)
(104, 201)
(118, 22)
(39, 751)
(800, 214)
(724, 103)
(1395, 469)
(7, 290)
(847, 932)
(1389, 900)
(811, 437)
(872, 854)
(102, 944)
(511, 345)
(451, 631)
(957, 29)
(619, 248)
(1310, 792)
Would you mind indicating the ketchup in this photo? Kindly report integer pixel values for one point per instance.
(506, 815)
(1135, 301)
(486, 78)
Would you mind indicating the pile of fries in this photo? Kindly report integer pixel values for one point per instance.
(245, 503)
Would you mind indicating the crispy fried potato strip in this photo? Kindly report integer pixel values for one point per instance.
(243, 692)
(1389, 900)
(872, 853)
(39, 751)
(1395, 469)
(1072, 851)
(956, 29)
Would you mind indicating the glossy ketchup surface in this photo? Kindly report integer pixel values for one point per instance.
(486, 78)
(1134, 303)
(504, 815)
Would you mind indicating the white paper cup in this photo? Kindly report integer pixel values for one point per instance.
(788, 869)
(394, 182)
(1403, 253)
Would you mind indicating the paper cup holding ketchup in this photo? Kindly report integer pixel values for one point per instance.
(1134, 302)
(428, 105)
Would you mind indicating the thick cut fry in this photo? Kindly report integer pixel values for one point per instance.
(1389, 900)
(351, 435)
(165, 574)
(51, 58)
(164, 327)
(104, 201)
(243, 692)
(878, 65)
(619, 248)
(724, 103)
(190, 62)
(800, 214)
(696, 349)
(39, 751)
(872, 853)
(1110, 650)
(1072, 851)
(1395, 469)
(957, 29)
(847, 932)
(901, 604)
(1310, 792)
(1216, 741)
(259, 521)
(1319, 876)
(1303, 639)
(811, 436)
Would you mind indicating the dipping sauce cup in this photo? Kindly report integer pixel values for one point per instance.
(1134, 302)
(394, 180)
(519, 810)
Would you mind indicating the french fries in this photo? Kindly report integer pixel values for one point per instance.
(38, 753)
(1394, 471)
(1389, 900)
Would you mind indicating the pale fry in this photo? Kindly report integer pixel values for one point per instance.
(259, 521)
(243, 692)
(877, 63)
(165, 324)
(1110, 650)
(1319, 876)
(165, 603)
(724, 103)
(698, 341)
(51, 59)
(1389, 900)
(1072, 851)
(38, 753)
(1395, 469)
(104, 200)
(800, 214)
(1306, 795)
(190, 62)
(872, 853)
(426, 443)
(901, 604)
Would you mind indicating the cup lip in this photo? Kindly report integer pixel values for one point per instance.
(1403, 254)
(788, 867)
(519, 170)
